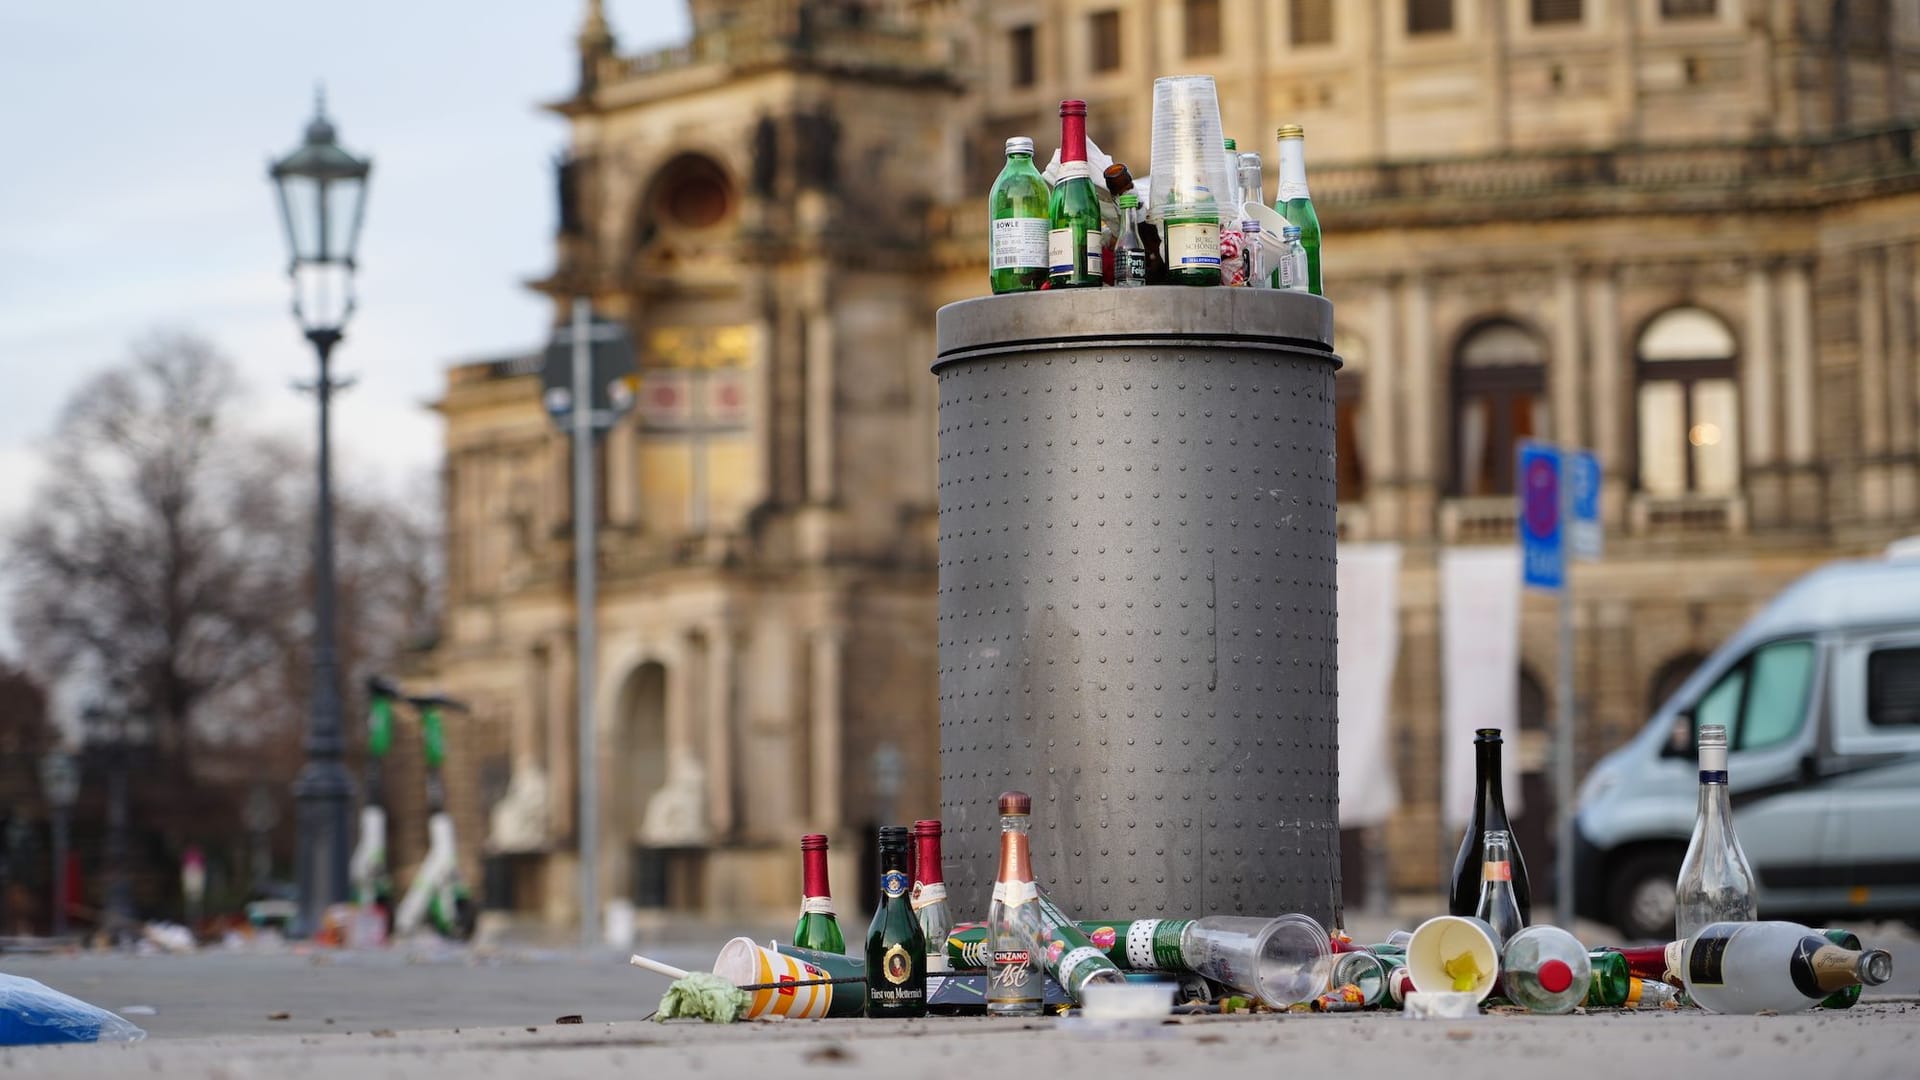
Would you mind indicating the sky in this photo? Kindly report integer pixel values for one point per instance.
(134, 140)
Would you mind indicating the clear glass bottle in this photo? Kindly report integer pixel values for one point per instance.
(1716, 883)
(1014, 925)
(1129, 253)
(1253, 263)
(1252, 180)
(1489, 812)
(1545, 969)
(930, 892)
(1747, 967)
(819, 925)
(1497, 906)
(1291, 274)
(1075, 246)
(1292, 200)
(1017, 211)
(896, 949)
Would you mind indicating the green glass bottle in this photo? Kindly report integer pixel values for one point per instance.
(1612, 979)
(1074, 241)
(1017, 248)
(1293, 202)
(896, 946)
(1193, 238)
(1847, 996)
(819, 926)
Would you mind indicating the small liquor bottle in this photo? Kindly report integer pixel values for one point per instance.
(819, 927)
(1253, 267)
(896, 948)
(1497, 907)
(1489, 812)
(1017, 250)
(930, 893)
(1130, 255)
(1014, 925)
(1073, 215)
(1294, 204)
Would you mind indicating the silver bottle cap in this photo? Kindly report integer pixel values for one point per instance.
(1291, 232)
(1020, 144)
(1250, 227)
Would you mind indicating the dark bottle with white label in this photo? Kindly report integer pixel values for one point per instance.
(896, 946)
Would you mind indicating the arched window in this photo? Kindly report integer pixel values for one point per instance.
(1350, 417)
(1688, 405)
(1499, 399)
(689, 193)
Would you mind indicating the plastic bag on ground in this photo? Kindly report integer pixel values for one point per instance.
(702, 996)
(32, 1012)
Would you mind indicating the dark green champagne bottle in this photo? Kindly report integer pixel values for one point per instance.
(1017, 210)
(1296, 206)
(1074, 241)
(1489, 812)
(1847, 996)
(896, 946)
(819, 927)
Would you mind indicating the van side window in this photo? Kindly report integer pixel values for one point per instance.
(1893, 688)
(1762, 700)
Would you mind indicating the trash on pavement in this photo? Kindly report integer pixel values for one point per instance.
(701, 995)
(32, 1013)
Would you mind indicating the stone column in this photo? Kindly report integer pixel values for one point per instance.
(1564, 374)
(821, 376)
(1417, 408)
(1756, 371)
(1796, 297)
(1380, 380)
(1606, 372)
(721, 639)
(623, 487)
(1872, 376)
(760, 405)
(1900, 285)
(825, 648)
(562, 725)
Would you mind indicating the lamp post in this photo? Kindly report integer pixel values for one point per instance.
(322, 191)
(60, 781)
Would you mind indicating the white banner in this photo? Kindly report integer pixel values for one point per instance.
(1369, 627)
(1479, 670)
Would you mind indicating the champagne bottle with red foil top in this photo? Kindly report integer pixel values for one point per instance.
(896, 949)
(819, 926)
(1014, 924)
(930, 893)
(1075, 241)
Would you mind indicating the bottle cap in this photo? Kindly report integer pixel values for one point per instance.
(1017, 803)
(1712, 735)
(893, 836)
(1020, 144)
(1290, 131)
(1249, 160)
(1127, 201)
(1555, 976)
(813, 842)
(1290, 232)
(1073, 107)
(1252, 227)
(1231, 145)
(927, 827)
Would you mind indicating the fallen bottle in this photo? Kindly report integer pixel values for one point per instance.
(1743, 967)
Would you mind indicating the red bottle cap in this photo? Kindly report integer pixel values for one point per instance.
(1073, 107)
(1555, 976)
(1015, 802)
(813, 842)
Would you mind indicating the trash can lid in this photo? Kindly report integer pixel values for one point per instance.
(1166, 315)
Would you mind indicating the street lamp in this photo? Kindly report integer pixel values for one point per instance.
(322, 190)
(60, 781)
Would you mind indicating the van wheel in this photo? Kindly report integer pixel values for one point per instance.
(1640, 901)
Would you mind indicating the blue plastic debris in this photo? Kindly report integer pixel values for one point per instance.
(32, 1012)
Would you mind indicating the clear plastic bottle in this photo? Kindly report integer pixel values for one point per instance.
(1545, 969)
(1497, 907)
(1716, 883)
(1745, 967)
(1291, 274)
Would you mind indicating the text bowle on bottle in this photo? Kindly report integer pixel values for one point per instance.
(1489, 812)
(1497, 906)
(1017, 225)
(819, 926)
(896, 948)
(1748, 967)
(930, 893)
(1014, 925)
(1074, 239)
(1716, 882)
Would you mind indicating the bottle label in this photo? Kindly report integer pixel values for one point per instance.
(1132, 267)
(896, 966)
(1013, 979)
(817, 905)
(894, 884)
(928, 893)
(1013, 894)
(1019, 243)
(1496, 871)
(1075, 170)
(1675, 956)
(1635, 987)
(1060, 251)
(1154, 944)
(1290, 272)
(1707, 960)
(1713, 776)
(1290, 189)
(1833, 969)
(1076, 959)
(1193, 246)
(1095, 257)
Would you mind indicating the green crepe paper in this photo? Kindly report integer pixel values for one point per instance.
(703, 996)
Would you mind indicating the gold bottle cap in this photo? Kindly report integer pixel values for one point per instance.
(1290, 131)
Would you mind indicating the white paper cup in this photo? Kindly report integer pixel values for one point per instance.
(1440, 940)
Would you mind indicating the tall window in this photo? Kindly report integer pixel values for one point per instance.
(1429, 16)
(1688, 9)
(1546, 12)
(1020, 46)
(1310, 22)
(1499, 399)
(1105, 30)
(1202, 27)
(1689, 405)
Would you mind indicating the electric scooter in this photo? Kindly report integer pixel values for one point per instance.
(372, 883)
(437, 895)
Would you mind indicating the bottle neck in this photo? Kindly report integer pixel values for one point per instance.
(1293, 169)
(893, 859)
(813, 874)
(1020, 160)
(926, 867)
(1073, 138)
(1492, 800)
(1015, 861)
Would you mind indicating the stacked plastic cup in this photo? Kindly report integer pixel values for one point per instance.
(1187, 142)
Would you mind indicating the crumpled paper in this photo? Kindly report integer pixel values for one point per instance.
(703, 996)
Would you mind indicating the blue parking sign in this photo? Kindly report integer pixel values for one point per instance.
(1582, 474)
(1542, 532)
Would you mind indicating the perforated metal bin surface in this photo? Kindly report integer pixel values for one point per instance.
(1137, 597)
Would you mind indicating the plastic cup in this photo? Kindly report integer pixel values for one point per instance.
(1187, 142)
(1281, 961)
(1467, 946)
(742, 962)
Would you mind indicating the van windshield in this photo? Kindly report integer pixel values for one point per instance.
(1761, 701)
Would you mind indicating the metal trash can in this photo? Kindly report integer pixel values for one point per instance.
(1137, 597)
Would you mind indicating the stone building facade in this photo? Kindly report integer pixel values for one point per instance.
(1681, 232)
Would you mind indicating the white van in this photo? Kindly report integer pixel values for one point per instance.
(1820, 695)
